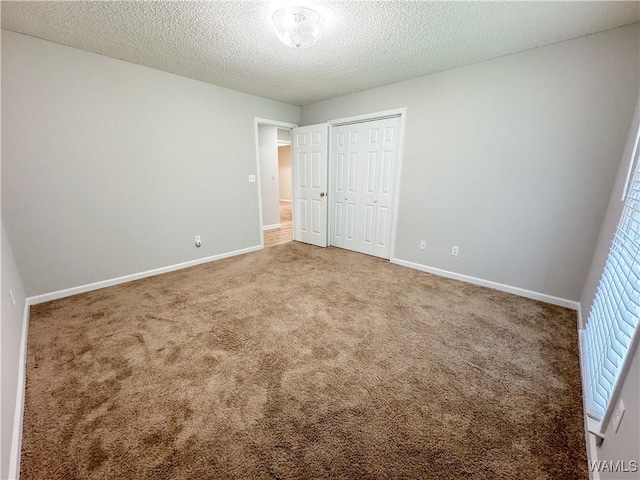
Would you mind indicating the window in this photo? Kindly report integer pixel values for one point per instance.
(612, 325)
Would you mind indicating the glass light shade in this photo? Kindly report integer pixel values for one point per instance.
(298, 27)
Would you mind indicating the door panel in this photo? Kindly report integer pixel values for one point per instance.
(310, 164)
(382, 222)
(337, 223)
(301, 217)
(352, 172)
(386, 184)
(316, 170)
(301, 162)
(385, 180)
(316, 216)
(368, 225)
(372, 173)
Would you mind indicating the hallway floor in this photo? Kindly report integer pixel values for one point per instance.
(283, 234)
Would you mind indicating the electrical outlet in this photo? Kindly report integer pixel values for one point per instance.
(454, 251)
(617, 415)
(198, 242)
(423, 244)
(252, 179)
(13, 299)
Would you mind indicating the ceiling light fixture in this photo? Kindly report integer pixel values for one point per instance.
(298, 27)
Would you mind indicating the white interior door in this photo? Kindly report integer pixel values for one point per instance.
(364, 164)
(310, 165)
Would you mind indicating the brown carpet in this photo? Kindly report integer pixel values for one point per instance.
(301, 362)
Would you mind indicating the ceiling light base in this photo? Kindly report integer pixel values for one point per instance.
(298, 27)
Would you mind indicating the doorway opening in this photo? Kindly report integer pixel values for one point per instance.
(273, 140)
(283, 234)
(365, 171)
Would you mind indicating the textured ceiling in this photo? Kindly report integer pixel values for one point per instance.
(366, 44)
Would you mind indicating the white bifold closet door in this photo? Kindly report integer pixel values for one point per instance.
(363, 170)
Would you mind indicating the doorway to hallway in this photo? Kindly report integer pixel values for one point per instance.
(273, 161)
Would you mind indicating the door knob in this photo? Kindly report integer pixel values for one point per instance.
(321, 194)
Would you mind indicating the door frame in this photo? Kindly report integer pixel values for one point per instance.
(368, 117)
(275, 123)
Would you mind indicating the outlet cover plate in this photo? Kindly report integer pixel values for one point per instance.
(617, 415)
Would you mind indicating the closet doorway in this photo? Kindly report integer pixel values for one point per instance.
(364, 166)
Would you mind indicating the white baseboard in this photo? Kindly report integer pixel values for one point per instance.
(16, 439)
(46, 297)
(271, 227)
(590, 440)
(562, 302)
(284, 200)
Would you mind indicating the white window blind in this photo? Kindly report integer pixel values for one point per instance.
(613, 319)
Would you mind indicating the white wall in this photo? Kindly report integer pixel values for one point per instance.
(511, 159)
(284, 170)
(12, 324)
(268, 148)
(111, 168)
(284, 134)
(625, 443)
